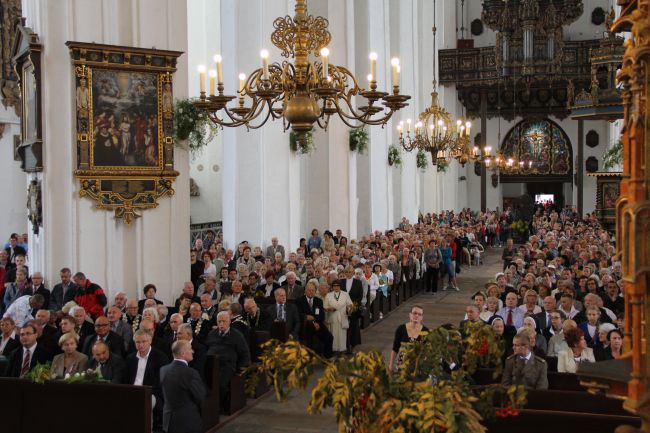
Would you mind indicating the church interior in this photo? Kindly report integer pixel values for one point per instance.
(326, 215)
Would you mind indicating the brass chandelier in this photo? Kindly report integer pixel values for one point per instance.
(435, 132)
(302, 93)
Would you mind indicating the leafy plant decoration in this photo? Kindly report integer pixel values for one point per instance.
(613, 156)
(192, 125)
(358, 140)
(442, 165)
(302, 147)
(421, 160)
(394, 156)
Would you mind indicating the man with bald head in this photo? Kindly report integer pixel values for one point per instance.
(103, 333)
(111, 365)
(543, 319)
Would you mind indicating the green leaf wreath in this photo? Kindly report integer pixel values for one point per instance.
(308, 146)
(442, 165)
(421, 160)
(394, 156)
(613, 156)
(421, 396)
(192, 125)
(358, 140)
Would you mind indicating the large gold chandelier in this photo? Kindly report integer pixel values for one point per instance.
(435, 132)
(302, 93)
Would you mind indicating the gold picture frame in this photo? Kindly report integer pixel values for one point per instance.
(125, 125)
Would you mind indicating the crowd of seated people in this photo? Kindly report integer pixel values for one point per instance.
(316, 294)
(559, 298)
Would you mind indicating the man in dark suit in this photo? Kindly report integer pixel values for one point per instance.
(473, 316)
(200, 350)
(292, 286)
(143, 368)
(62, 292)
(232, 349)
(237, 321)
(103, 333)
(312, 315)
(110, 364)
(200, 325)
(8, 336)
(183, 391)
(10, 276)
(83, 326)
(38, 288)
(28, 355)
(543, 319)
(257, 318)
(350, 284)
(283, 313)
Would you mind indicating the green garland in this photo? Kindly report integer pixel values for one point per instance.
(358, 140)
(421, 160)
(394, 156)
(192, 125)
(613, 156)
(308, 147)
(442, 165)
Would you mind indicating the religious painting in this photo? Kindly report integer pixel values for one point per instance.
(124, 116)
(611, 191)
(542, 146)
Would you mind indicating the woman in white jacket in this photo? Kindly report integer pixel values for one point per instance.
(336, 304)
(578, 352)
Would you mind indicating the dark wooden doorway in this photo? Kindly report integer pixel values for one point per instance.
(555, 188)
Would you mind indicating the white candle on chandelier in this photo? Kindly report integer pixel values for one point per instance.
(488, 150)
(217, 59)
(399, 128)
(242, 80)
(476, 151)
(373, 64)
(408, 125)
(468, 125)
(458, 123)
(212, 74)
(201, 69)
(324, 53)
(395, 62)
(369, 77)
(264, 54)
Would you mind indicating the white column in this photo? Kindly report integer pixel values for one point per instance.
(153, 249)
(13, 218)
(407, 50)
(206, 168)
(261, 179)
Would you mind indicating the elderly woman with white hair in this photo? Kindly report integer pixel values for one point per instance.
(538, 343)
(601, 342)
(70, 361)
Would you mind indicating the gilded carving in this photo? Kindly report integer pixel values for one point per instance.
(10, 13)
(124, 118)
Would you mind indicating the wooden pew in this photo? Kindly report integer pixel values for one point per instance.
(556, 381)
(211, 406)
(43, 407)
(374, 308)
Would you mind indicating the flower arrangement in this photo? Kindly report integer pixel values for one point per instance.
(394, 156)
(40, 373)
(88, 376)
(421, 160)
(442, 165)
(421, 396)
(520, 227)
(192, 125)
(613, 156)
(358, 140)
(303, 148)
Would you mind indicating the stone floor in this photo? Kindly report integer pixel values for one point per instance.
(266, 414)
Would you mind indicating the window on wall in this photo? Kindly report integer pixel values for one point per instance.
(542, 144)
